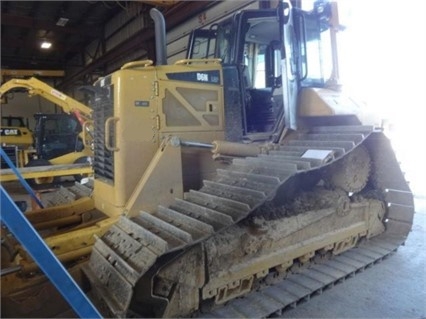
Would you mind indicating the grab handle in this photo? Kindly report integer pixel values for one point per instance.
(111, 120)
(136, 64)
(189, 61)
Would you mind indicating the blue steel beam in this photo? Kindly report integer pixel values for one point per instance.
(25, 233)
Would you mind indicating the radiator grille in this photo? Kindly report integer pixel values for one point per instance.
(103, 108)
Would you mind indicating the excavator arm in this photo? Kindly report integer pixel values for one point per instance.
(67, 103)
(37, 87)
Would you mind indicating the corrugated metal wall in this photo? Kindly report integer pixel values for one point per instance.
(130, 22)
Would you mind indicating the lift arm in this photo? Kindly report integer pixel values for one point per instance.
(37, 87)
(69, 105)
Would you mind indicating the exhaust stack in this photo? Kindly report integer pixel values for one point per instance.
(160, 36)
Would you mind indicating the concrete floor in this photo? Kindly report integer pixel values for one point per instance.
(395, 288)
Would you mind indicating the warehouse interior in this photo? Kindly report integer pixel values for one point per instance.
(246, 159)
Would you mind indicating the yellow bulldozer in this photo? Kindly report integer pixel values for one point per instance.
(227, 174)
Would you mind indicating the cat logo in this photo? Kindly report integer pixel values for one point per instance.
(9, 132)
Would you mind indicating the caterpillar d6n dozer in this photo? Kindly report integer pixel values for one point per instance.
(238, 172)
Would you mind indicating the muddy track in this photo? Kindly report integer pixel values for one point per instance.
(312, 281)
(131, 247)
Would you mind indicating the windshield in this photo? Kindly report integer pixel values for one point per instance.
(316, 64)
(224, 42)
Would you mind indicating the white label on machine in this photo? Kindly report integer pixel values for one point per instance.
(323, 155)
(58, 94)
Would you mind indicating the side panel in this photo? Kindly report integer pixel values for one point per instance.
(130, 135)
(151, 104)
(18, 136)
(191, 99)
(192, 108)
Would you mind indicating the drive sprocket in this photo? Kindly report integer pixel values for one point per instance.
(352, 172)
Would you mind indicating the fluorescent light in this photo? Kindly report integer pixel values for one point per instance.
(46, 45)
(62, 22)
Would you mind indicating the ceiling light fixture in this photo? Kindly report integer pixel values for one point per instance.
(62, 22)
(46, 45)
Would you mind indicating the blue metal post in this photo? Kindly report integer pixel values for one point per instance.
(25, 233)
(21, 179)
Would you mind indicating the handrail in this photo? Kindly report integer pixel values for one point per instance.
(189, 61)
(136, 64)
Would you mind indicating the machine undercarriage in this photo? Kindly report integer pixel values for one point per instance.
(240, 232)
(261, 223)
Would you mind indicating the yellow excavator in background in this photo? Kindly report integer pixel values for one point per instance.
(222, 177)
(62, 138)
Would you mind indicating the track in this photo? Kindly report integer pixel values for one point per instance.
(67, 195)
(299, 288)
(132, 246)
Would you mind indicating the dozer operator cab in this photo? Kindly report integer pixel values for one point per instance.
(268, 56)
(57, 135)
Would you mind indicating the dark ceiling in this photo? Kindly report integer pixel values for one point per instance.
(25, 24)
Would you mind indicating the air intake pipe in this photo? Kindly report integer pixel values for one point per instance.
(160, 36)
